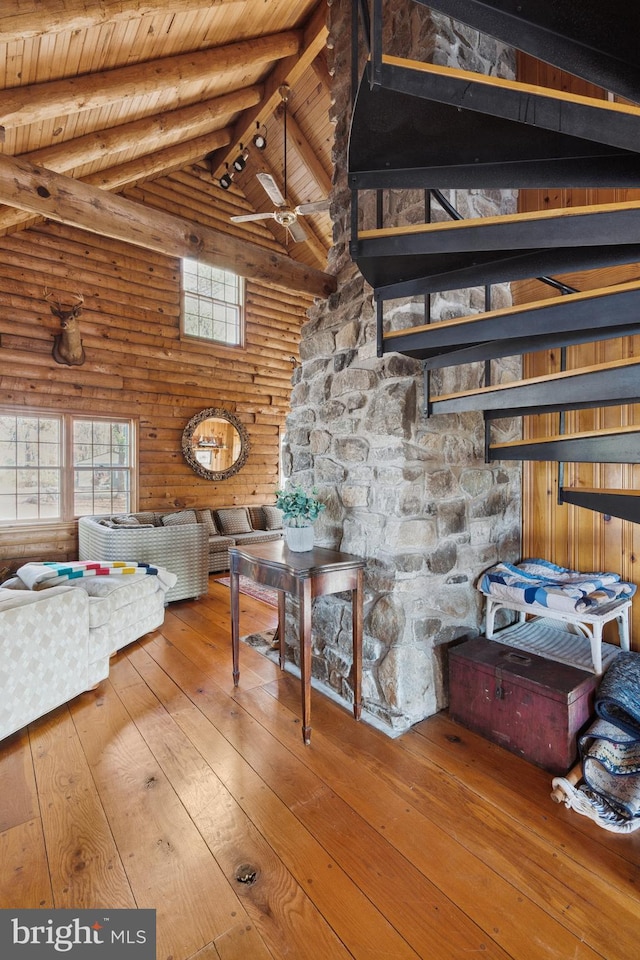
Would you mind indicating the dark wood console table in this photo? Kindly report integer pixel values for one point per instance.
(305, 576)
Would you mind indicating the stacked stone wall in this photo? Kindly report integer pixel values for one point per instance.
(410, 493)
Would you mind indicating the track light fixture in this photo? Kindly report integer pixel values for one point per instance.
(226, 179)
(260, 137)
(240, 161)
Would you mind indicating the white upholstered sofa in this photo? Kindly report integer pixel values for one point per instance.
(56, 642)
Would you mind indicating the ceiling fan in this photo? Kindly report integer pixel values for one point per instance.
(285, 215)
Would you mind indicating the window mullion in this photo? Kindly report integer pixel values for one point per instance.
(67, 467)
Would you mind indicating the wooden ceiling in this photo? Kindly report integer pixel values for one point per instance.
(121, 91)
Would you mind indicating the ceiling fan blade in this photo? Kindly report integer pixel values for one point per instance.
(252, 216)
(316, 206)
(271, 188)
(297, 231)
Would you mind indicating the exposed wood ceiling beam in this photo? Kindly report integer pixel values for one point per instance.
(160, 162)
(313, 241)
(321, 69)
(18, 23)
(37, 102)
(70, 201)
(297, 140)
(146, 135)
(289, 71)
(134, 171)
(149, 135)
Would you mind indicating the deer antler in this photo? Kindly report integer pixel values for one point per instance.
(61, 312)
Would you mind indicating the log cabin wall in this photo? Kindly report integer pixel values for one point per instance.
(566, 534)
(137, 365)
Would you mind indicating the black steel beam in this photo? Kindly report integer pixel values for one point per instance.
(617, 448)
(584, 315)
(609, 224)
(429, 273)
(592, 120)
(591, 39)
(624, 506)
(491, 350)
(595, 388)
(412, 276)
(403, 142)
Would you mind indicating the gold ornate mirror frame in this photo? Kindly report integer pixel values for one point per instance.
(215, 444)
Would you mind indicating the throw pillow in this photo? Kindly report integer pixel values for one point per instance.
(125, 521)
(233, 520)
(273, 517)
(257, 518)
(204, 516)
(122, 525)
(179, 519)
(148, 519)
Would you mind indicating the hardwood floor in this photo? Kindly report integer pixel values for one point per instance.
(166, 788)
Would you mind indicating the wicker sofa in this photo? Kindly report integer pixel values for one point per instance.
(180, 549)
(232, 526)
(190, 543)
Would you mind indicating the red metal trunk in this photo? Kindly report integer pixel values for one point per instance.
(532, 706)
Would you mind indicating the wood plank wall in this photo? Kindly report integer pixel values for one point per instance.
(568, 535)
(136, 364)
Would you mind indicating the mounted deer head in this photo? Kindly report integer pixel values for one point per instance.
(67, 345)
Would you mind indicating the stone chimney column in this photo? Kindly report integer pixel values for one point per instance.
(411, 494)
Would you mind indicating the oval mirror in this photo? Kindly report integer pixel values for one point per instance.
(215, 444)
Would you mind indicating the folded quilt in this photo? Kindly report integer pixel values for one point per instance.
(611, 766)
(557, 588)
(35, 576)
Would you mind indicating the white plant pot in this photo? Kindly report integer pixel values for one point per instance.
(299, 539)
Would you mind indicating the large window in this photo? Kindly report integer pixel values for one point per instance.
(61, 466)
(212, 303)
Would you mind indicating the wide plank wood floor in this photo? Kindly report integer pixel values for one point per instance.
(167, 788)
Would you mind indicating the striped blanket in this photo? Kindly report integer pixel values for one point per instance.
(557, 588)
(35, 576)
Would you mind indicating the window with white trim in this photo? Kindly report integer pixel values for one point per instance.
(61, 466)
(212, 304)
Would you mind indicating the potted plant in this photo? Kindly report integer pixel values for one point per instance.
(299, 510)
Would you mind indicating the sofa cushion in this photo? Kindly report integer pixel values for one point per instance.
(273, 517)
(111, 594)
(221, 543)
(180, 518)
(257, 536)
(204, 516)
(233, 520)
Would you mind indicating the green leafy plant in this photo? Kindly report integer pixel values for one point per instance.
(300, 509)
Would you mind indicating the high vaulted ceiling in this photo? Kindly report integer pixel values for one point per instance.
(121, 91)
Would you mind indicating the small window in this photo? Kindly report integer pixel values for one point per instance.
(212, 303)
(61, 466)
